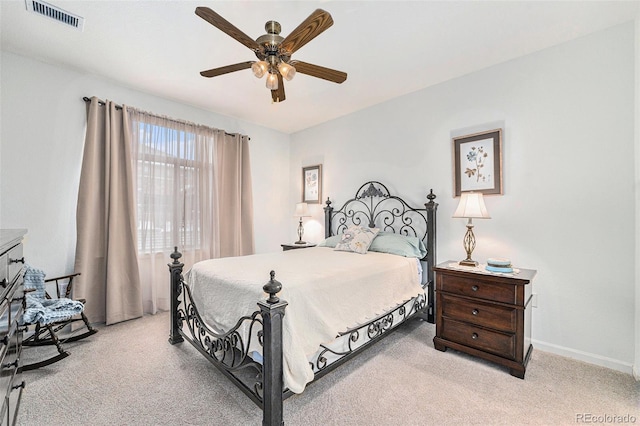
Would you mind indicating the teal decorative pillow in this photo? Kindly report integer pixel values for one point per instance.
(357, 239)
(402, 245)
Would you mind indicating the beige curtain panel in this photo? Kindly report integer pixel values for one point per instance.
(150, 183)
(106, 253)
(235, 196)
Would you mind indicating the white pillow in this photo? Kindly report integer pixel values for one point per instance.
(357, 239)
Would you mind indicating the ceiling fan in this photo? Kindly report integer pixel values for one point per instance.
(274, 52)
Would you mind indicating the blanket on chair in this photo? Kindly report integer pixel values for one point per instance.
(43, 310)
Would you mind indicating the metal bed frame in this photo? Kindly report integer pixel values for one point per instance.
(372, 206)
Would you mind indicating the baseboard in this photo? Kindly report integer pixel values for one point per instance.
(600, 360)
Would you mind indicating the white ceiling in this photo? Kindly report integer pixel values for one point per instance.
(387, 48)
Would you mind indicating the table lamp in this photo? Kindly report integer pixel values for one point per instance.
(471, 206)
(302, 210)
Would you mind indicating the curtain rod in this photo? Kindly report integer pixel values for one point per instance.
(103, 103)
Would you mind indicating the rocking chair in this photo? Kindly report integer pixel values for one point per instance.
(50, 316)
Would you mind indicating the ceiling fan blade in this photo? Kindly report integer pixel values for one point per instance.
(320, 72)
(225, 70)
(309, 29)
(278, 94)
(226, 27)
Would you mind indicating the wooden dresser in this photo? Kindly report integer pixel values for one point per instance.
(11, 309)
(484, 314)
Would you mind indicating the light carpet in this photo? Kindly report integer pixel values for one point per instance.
(128, 373)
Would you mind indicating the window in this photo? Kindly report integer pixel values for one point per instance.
(169, 183)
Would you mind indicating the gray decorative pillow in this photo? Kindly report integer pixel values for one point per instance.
(402, 245)
(357, 239)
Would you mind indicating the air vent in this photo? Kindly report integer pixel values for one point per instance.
(54, 12)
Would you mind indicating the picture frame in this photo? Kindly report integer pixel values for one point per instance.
(312, 184)
(477, 163)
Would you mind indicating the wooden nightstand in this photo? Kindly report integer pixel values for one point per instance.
(294, 246)
(484, 314)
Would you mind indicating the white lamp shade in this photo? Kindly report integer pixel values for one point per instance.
(302, 210)
(472, 206)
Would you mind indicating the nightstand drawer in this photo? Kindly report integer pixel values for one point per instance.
(477, 288)
(502, 344)
(479, 313)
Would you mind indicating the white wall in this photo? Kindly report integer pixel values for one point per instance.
(42, 137)
(568, 204)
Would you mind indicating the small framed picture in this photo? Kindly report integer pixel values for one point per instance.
(477, 163)
(312, 184)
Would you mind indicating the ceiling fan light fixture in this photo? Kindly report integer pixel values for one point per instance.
(272, 81)
(259, 68)
(274, 51)
(287, 71)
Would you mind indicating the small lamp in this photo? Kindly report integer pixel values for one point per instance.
(302, 210)
(471, 206)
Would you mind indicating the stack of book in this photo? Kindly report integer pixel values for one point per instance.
(499, 265)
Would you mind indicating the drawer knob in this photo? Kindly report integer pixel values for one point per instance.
(474, 288)
(21, 260)
(4, 283)
(474, 336)
(474, 312)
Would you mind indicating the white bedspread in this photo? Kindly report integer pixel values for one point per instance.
(328, 292)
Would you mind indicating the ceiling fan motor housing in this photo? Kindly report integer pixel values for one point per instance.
(270, 43)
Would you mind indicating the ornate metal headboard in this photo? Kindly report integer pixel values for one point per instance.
(375, 207)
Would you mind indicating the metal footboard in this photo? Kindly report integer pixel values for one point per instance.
(230, 351)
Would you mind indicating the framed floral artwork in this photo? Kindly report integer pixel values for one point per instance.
(477, 163)
(312, 184)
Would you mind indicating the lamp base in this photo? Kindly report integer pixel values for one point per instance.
(469, 243)
(300, 242)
